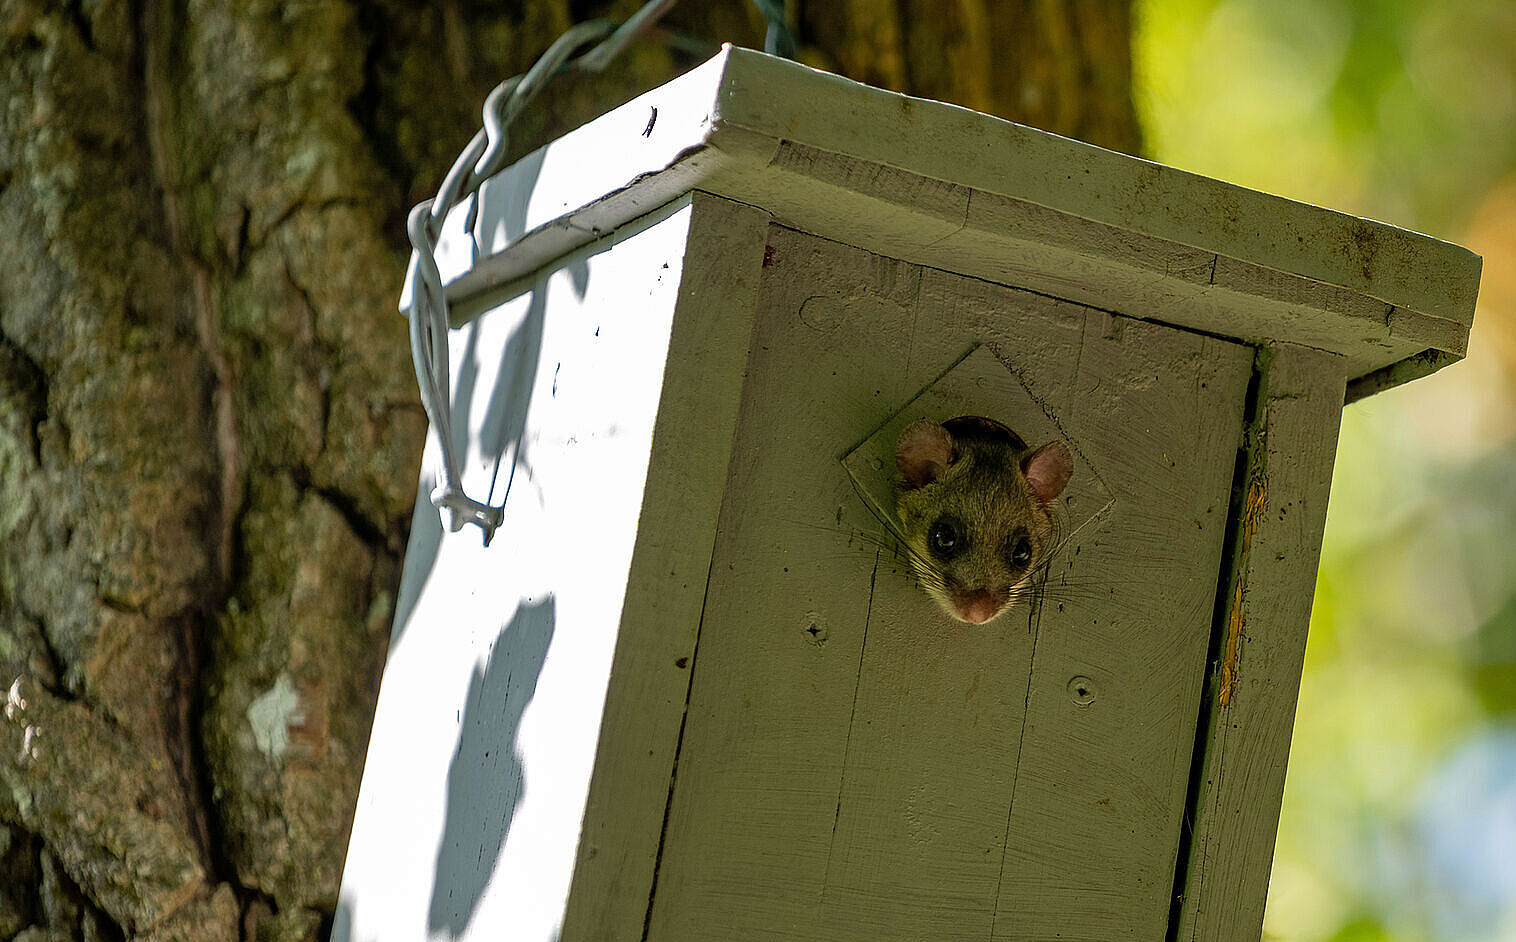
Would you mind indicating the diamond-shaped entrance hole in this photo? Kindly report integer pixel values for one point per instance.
(980, 384)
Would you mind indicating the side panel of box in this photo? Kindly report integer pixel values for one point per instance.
(686, 480)
(489, 718)
(1249, 713)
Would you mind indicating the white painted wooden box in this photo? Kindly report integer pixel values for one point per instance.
(685, 695)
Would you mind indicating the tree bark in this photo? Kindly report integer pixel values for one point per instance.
(209, 431)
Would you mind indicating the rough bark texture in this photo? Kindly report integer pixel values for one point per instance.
(208, 426)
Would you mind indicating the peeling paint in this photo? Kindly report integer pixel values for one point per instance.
(1258, 492)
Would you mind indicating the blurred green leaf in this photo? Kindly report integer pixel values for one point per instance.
(1492, 654)
(1363, 929)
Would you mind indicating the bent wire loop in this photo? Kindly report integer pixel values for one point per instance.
(484, 156)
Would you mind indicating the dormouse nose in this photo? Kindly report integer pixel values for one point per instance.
(976, 607)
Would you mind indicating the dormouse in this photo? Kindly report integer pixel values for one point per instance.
(975, 506)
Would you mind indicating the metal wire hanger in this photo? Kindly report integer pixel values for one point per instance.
(482, 158)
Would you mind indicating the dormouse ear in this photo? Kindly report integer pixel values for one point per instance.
(1048, 470)
(924, 453)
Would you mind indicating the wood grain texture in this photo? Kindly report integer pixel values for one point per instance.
(1250, 703)
(856, 765)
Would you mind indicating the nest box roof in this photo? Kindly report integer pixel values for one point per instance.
(940, 185)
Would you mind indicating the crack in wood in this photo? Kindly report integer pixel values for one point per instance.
(852, 715)
(1034, 623)
(668, 802)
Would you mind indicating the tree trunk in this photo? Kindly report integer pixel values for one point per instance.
(209, 431)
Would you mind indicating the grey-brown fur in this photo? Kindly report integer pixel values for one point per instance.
(973, 483)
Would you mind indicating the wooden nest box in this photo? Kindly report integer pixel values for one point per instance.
(692, 690)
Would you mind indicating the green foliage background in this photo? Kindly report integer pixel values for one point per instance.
(1399, 821)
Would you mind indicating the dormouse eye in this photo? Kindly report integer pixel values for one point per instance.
(945, 539)
(1021, 551)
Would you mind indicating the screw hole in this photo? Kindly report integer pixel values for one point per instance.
(815, 631)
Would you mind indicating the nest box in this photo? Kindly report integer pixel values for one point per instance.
(692, 691)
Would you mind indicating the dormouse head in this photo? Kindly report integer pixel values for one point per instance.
(976, 510)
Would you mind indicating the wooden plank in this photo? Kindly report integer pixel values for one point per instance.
(850, 754)
(787, 606)
(490, 711)
(943, 186)
(917, 845)
(650, 674)
(1121, 643)
(946, 226)
(1259, 645)
(1015, 242)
